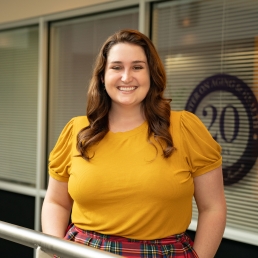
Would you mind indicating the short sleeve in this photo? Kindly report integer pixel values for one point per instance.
(60, 156)
(202, 152)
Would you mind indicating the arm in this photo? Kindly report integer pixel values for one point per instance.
(56, 208)
(210, 200)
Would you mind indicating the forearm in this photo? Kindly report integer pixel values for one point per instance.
(55, 219)
(210, 229)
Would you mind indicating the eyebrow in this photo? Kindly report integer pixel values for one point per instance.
(134, 62)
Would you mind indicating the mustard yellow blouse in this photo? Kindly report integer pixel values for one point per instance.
(130, 190)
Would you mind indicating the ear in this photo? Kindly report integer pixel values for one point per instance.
(102, 79)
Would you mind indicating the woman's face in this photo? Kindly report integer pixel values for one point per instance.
(127, 77)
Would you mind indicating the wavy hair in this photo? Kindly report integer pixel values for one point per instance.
(156, 108)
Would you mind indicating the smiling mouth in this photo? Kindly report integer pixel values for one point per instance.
(127, 89)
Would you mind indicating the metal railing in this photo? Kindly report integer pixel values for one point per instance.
(50, 244)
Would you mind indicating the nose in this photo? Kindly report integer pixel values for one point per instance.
(126, 76)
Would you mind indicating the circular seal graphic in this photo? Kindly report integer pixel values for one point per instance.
(229, 109)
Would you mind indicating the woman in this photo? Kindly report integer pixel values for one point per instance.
(129, 169)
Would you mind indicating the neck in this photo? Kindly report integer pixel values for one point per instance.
(125, 119)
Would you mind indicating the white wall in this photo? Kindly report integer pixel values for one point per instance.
(15, 10)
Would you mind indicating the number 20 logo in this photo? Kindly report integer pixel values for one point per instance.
(229, 109)
(222, 121)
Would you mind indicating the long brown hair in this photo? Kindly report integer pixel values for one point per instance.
(156, 107)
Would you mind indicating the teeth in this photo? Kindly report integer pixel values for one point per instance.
(126, 88)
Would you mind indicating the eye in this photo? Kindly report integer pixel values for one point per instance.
(117, 67)
(137, 67)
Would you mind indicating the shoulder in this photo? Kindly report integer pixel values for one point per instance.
(186, 124)
(73, 126)
(67, 138)
(177, 117)
(181, 114)
(184, 118)
(78, 123)
(80, 120)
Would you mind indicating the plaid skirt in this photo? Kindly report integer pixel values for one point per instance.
(176, 246)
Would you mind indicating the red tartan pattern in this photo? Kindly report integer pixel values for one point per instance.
(176, 246)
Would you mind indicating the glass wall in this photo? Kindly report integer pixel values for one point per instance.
(74, 45)
(210, 51)
(18, 104)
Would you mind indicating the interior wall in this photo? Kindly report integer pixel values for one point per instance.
(15, 10)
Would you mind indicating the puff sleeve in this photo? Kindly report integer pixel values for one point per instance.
(60, 156)
(202, 152)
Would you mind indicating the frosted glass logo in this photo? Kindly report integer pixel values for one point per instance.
(229, 109)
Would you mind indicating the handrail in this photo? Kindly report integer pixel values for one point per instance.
(50, 244)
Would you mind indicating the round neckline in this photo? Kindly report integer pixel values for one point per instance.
(134, 131)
